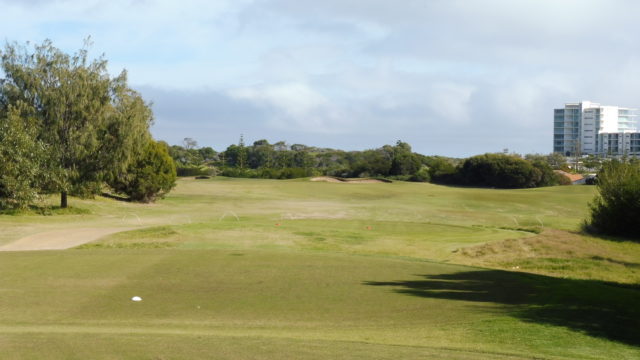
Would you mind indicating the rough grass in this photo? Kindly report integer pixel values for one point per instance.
(562, 254)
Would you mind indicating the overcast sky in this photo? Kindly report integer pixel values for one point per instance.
(450, 77)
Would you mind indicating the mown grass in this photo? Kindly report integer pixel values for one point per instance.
(77, 303)
(243, 269)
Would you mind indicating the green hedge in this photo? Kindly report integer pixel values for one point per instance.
(192, 170)
(269, 173)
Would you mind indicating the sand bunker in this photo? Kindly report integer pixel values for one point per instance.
(60, 239)
(347, 181)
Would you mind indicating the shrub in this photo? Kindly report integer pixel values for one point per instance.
(563, 179)
(441, 170)
(421, 175)
(149, 177)
(238, 173)
(269, 173)
(499, 170)
(195, 170)
(545, 176)
(616, 209)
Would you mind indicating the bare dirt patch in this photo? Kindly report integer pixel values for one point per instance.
(61, 239)
(347, 180)
(315, 215)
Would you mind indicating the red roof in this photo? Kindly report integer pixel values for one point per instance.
(572, 177)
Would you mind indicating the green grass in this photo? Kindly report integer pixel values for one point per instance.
(317, 270)
(337, 303)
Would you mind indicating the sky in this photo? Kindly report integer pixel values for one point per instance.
(450, 77)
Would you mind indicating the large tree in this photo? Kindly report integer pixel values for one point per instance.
(22, 158)
(404, 162)
(92, 123)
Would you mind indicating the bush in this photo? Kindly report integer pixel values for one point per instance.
(545, 176)
(563, 179)
(616, 209)
(441, 170)
(499, 170)
(194, 170)
(269, 173)
(421, 175)
(149, 177)
(238, 173)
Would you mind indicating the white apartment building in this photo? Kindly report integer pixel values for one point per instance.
(587, 128)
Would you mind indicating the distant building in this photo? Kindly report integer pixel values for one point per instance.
(587, 128)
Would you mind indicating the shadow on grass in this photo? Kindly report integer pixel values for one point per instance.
(586, 229)
(45, 211)
(596, 308)
(115, 197)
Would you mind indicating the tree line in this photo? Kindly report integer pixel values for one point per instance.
(68, 127)
(280, 160)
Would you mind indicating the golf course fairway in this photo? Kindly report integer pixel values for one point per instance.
(265, 269)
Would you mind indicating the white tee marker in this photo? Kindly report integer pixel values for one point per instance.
(136, 298)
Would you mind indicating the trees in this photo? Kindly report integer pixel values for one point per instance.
(616, 208)
(556, 160)
(441, 170)
(498, 170)
(22, 159)
(150, 176)
(592, 163)
(261, 154)
(231, 155)
(207, 154)
(91, 123)
(544, 175)
(501, 171)
(66, 125)
(404, 162)
(189, 143)
(371, 163)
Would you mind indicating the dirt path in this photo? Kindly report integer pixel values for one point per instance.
(347, 181)
(61, 239)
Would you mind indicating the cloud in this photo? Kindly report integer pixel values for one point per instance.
(452, 77)
(296, 106)
(207, 115)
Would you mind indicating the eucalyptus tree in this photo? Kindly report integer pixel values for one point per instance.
(22, 158)
(93, 124)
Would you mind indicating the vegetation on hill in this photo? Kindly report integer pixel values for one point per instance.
(70, 123)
